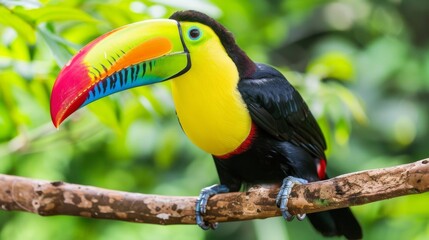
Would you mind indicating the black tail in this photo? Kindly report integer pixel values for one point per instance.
(336, 222)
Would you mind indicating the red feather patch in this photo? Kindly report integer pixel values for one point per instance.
(321, 169)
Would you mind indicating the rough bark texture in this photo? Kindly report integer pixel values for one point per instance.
(59, 198)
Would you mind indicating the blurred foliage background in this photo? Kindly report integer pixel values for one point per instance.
(363, 67)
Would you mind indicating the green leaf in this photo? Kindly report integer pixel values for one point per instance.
(56, 14)
(106, 111)
(24, 29)
(425, 70)
(120, 18)
(351, 101)
(381, 59)
(342, 132)
(23, 3)
(333, 65)
(57, 45)
(5, 123)
(167, 148)
(20, 51)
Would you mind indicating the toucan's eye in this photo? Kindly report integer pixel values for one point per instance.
(194, 33)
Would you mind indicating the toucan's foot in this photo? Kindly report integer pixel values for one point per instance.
(283, 197)
(201, 204)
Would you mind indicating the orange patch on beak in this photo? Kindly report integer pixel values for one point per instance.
(148, 50)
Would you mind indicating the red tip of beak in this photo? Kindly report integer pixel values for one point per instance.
(71, 87)
(66, 95)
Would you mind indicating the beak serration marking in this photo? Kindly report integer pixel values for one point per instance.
(144, 69)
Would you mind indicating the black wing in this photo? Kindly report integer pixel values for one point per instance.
(279, 109)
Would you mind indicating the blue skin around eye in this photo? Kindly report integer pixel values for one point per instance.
(189, 33)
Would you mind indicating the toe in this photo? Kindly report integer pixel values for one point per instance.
(201, 205)
(282, 198)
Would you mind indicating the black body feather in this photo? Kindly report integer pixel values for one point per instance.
(287, 140)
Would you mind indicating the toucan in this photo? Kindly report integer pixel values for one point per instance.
(246, 115)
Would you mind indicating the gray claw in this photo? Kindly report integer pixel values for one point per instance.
(283, 197)
(201, 204)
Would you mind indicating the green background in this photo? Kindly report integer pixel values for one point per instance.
(362, 66)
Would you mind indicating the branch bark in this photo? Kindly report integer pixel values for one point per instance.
(58, 198)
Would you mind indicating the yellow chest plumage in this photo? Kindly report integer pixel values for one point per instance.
(208, 103)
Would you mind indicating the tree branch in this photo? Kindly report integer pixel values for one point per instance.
(59, 198)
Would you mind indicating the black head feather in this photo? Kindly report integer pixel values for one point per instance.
(246, 67)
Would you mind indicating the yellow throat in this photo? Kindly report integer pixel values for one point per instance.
(208, 104)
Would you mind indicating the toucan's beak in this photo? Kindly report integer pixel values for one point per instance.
(134, 55)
